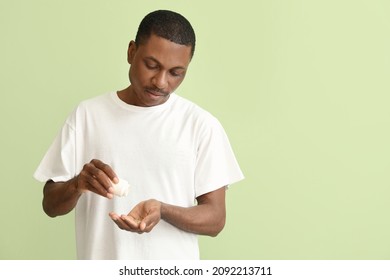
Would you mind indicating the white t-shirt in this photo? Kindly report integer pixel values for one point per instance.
(173, 152)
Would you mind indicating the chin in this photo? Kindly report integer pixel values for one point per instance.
(153, 100)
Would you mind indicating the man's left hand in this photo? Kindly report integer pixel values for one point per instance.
(142, 218)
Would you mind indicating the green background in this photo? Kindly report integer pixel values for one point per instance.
(301, 87)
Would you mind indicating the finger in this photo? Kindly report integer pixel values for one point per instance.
(94, 185)
(85, 181)
(114, 216)
(109, 172)
(119, 222)
(99, 175)
(97, 178)
(131, 222)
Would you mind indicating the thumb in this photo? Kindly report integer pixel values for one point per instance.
(148, 223)
(142, 225)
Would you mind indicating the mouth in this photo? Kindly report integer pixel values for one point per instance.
(157, 93)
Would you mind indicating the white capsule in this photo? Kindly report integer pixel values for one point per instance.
(122, 188)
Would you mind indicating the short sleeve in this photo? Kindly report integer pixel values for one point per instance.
(216, 164)
(58, 164)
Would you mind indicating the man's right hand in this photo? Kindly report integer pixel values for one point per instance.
(96, 176)
(59, 198)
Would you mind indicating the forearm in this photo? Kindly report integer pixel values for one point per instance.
(206, 218)
(197, 219)
(59, 198)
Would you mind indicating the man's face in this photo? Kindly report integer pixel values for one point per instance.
(158, 67)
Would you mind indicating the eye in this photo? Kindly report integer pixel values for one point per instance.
(176, 73)
(151, 66)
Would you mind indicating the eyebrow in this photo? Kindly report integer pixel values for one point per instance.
(158, 62)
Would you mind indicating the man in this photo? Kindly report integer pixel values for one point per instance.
(171, 151)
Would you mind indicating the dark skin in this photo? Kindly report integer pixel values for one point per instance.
(60, 198)
(206, 218)
(158, 67)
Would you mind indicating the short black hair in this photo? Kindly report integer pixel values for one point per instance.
(168, 25)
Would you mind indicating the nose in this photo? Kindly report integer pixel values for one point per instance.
(160, 80)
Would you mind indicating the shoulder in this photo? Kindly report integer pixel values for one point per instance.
(87, 107)
(95, 105)
(196, 119)
(96, 101)
(192, 110)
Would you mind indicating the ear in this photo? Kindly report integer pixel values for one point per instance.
(131, 51)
